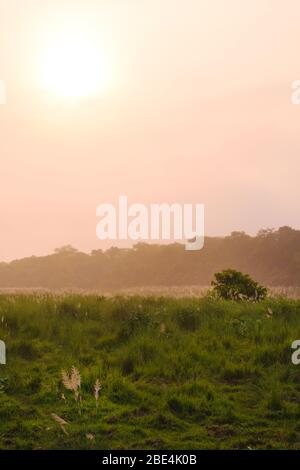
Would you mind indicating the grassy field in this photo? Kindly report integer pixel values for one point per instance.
(175, 373)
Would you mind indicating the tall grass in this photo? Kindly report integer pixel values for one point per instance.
(162, 372)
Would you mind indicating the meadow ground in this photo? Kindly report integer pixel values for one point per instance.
(190, 373)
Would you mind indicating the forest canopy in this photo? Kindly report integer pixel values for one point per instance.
(272, 257)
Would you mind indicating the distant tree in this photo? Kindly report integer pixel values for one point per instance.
(234, 285)
(265, 232)
(238, 234)
(65, 250)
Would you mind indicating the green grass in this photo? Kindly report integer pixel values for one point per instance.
(175, 373)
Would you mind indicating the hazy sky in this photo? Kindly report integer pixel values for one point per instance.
(196, 108)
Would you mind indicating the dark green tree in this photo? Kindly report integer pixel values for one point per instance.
(234, 285)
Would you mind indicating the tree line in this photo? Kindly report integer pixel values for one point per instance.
(272, 257)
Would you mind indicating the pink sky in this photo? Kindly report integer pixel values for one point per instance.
(197, 110)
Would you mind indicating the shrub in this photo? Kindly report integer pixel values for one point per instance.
(26, 350)
(187, 318)
(234, 285)
(137, 321)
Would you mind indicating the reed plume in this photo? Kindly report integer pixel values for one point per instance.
(72, 382)
(97, 389)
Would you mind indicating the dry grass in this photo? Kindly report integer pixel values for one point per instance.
(192, 291)
(72, 382)
(61, 422)
(97, 389)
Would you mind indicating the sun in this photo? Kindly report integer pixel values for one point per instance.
(72, 64)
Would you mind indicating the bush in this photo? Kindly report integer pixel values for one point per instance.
(137, 321)
(234, 285)
(187, 318)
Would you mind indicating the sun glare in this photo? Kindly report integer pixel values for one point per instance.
(73, 64)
